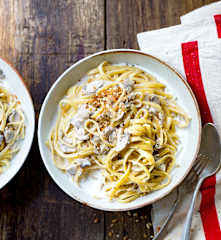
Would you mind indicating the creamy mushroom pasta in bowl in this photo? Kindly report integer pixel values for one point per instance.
(119, 130)
(16, 122)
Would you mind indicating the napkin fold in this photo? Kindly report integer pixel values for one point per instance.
(201, 13)
(202, 30)
(193, 48)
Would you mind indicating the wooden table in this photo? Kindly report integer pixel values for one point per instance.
(42, 38)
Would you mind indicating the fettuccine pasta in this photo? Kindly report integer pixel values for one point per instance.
(122, 122)
(12, 127)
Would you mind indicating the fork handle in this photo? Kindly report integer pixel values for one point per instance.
(187, 225)
(163, 230)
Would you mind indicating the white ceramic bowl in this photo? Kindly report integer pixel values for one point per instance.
(15, 84)
(190, 137)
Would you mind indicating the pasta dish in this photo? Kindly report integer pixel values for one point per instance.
(121, 121)
(12, 127)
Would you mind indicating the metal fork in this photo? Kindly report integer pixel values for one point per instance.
(201, 163)
(210, 153)
(191, 178)
(208, 162)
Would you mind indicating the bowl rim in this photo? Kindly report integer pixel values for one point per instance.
(33, 112)
(121, 50)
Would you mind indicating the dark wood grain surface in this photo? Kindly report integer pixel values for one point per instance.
(42, 38)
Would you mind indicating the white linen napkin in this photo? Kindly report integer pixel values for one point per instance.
(168, 38)
(167, 45)
(201, 13)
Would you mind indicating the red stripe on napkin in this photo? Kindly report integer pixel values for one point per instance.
(218, 24)
(208, 211)
(207, 207)
(194, 78)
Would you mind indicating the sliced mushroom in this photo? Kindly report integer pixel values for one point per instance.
(83, 162)
(152, 110)
(9, 134)
(66, 149)
(110, 134)
(68, 140)
(103, 149)
(91, 88)
(72, 169)
(99, 148)
(107, 132)
(95, 140)
(113, 137)
(122, 140)
(81, 134)
(14, 116)
(154, 99)
(134, 95)
(78, 122)
(128, 85)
